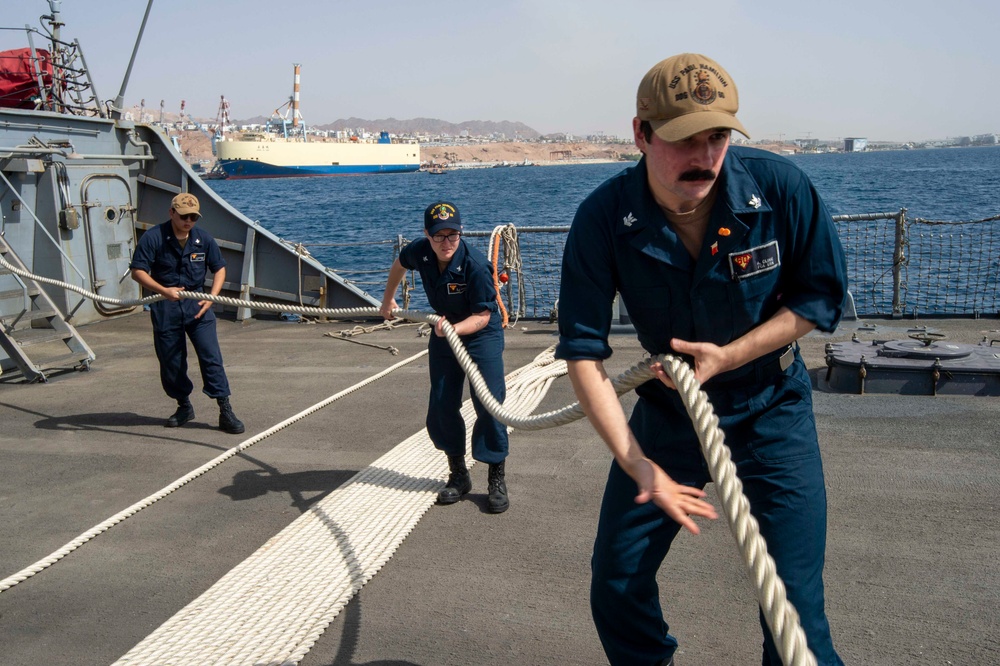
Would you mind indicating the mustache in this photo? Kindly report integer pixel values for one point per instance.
(698, 174)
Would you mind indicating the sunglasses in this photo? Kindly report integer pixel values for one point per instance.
(190, 217)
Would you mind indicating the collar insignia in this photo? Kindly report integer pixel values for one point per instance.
(724, 231)
(629, 220)
(424, 258)
(754, 201)
(715, 248)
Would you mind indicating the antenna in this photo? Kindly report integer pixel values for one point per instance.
(116, 111)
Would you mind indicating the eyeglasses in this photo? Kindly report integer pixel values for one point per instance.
(451, 238)
(190, 217)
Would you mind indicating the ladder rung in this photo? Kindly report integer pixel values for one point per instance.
(36, 336)
(39, 314)
(60, 361)
(15, 293)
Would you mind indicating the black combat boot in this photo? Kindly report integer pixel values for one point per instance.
(184, 413)
(227, 420)
(459, 481)
(498, 502)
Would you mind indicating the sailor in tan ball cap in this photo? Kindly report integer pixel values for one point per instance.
(173, 257)
(725, 256)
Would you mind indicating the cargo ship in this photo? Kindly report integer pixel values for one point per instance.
(288, 152)
(267, 155)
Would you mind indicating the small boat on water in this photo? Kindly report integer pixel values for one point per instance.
(212, 173)
(437, 170)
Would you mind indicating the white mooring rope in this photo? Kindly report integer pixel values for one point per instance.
(780, 614)
(272, 607)
(46, 562)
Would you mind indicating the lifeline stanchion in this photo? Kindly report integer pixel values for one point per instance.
(780, 614)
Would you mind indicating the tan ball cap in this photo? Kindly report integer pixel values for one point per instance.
(686, 94)
(185, 204)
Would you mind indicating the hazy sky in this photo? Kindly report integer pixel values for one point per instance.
(886, 70)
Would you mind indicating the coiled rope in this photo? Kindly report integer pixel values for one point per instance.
(494, 255)
(780, 614)
(506, 235)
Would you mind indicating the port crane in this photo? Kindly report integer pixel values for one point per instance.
(297, 122)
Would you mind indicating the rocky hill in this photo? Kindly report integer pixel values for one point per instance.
(434, 127)
(539, 153)
(422, 127)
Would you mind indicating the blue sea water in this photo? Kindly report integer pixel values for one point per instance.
(946, 184)
(937, 184)
(337, 217)
(366, 208)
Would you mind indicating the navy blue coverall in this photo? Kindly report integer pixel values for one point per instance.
(160, 254)
(461, 290)
(770, 243)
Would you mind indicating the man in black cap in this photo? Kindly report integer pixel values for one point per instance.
(459, 285)
(170, 258)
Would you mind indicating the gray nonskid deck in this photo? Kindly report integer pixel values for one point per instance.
(912, 572)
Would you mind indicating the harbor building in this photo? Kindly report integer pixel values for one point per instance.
(855, 144)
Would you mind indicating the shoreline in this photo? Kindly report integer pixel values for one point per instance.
(196, 148)
(462, 166)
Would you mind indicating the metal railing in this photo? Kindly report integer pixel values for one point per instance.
(901, 266)
(897, 266)
(62, 79)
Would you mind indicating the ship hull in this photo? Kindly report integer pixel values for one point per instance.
(236, 169)
(276, 158)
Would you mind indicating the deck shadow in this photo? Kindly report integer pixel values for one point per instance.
(249, 484)
(350, 637)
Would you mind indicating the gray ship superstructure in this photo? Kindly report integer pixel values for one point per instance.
(80, 183)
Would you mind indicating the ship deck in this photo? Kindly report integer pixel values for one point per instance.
(913, 564)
